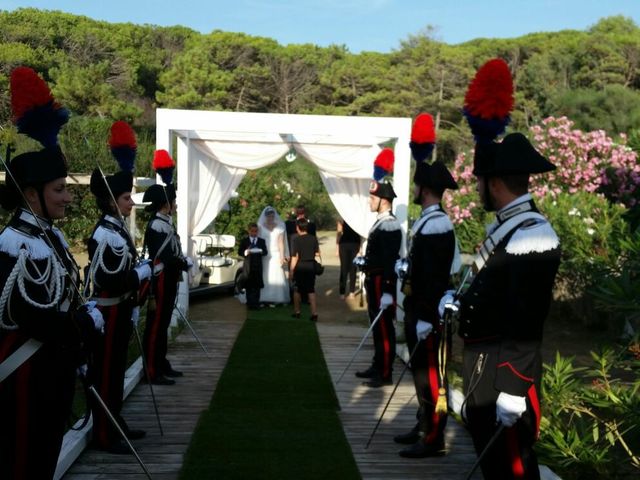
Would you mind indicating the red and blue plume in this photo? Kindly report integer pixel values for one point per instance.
(164, 165)
(423, 137)
(35, 112)
(383, 164)
(489, 100)
(122, 143)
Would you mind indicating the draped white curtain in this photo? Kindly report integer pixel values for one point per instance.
(216, 168)
(351, 199)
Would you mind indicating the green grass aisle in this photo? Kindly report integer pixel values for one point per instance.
(274, 412)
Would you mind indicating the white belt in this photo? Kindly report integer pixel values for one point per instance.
(18, 357)
(111, 301)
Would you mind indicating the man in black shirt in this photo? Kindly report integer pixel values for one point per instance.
(348, 245)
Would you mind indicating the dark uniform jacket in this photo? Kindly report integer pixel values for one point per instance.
(252, 268)
(112, 274)
(163, 244)
(383, 247)
(432, 252)
(506, 305)
(38, 301)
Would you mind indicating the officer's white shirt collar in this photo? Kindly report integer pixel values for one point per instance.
(384, 214)
(35, 220)
(429, 209)
(116, 221)
(166, 218)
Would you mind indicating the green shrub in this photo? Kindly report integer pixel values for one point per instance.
(589, 427)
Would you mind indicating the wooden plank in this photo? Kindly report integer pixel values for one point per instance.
(179, 405)
(361, 407)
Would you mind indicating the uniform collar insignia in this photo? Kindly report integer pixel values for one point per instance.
(524, 203)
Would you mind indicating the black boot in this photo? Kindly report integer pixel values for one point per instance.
(378, 381)
(410, 437)
(423, 450)
(368, 373)
(170, 372)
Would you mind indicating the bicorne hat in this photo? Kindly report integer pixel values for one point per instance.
(381, 185)
(37, 115)
(487, 107)
(159, 194)
(123, 146)
(433, 175)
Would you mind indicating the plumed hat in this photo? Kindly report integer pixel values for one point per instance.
(430, 175)
(122, 143)
(37, 115)
(381, 185)
(158, 194)
(487, 107)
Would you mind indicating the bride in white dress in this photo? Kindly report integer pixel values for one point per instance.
(272, 229)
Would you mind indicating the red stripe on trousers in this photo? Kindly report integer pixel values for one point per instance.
(386, 345)
(151, 356)
(517, 468)
(433, 383)
(535, 403)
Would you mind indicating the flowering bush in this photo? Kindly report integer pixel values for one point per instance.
(585, 161)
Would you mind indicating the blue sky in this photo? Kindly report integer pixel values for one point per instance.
(377, 25)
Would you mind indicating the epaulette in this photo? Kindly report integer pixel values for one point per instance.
(13, 241)
(60, 235)
(160, 226)
(437, 225)
(537, 236)
(389, 224)
(110, 236)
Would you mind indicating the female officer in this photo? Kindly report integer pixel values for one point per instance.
(163, 245)
(114, 279)
(43, 333)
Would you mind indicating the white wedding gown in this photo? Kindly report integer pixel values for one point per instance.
(276, 286)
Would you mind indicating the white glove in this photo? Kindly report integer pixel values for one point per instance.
(448, 302)
(255, 250)
(96, 315)
(189, 262)
(423, 329)
(509, 408)
(82, 370)
(398, 266)
(386, 300)
(143, 270)
(135, 317)
(359, 261)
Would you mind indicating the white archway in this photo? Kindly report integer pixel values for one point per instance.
(215, 149)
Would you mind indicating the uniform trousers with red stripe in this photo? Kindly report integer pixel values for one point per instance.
(164, 291)
(512, 455)
(35, 403)
(107, 371)
(425, 368)
(384, 333)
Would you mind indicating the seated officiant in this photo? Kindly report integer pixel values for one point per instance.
(253, 248)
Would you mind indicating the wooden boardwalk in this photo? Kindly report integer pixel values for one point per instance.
(362, 406)
(179, 405)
